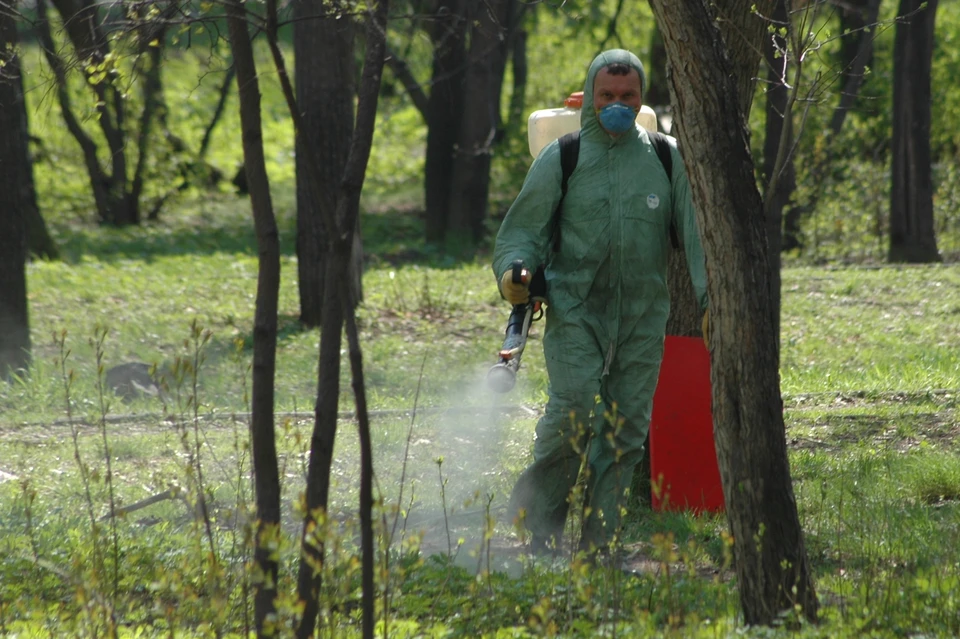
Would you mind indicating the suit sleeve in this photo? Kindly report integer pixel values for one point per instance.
(528, 225)
(685, 219)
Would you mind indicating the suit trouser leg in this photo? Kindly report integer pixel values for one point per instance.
(622, 425)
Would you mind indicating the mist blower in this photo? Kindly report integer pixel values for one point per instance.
(502, 376)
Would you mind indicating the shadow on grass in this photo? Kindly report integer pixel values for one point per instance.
(222, 223)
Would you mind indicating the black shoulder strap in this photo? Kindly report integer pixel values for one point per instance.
(569, 153)
(662, 146)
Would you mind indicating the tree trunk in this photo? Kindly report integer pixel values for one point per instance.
(39, 242)
(516, 116)
(480, 120)
(856, 55)
(856, 52)
(338, 304)
(444, 110)
(262, 435)
(325, 94)
(778, 168)
(658, 94)
(737, 23)
(16, 181)
(772, 569)
(912, 237)
(83, 25)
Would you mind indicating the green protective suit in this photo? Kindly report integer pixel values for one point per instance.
(607, 307)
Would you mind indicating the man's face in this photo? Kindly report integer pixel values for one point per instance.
(608, 88)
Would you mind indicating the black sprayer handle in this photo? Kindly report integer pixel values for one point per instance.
(517, 274)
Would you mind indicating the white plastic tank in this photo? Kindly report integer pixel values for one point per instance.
(546, 125)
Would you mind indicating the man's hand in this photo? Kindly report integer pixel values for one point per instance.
(706, 323)
(516, 293)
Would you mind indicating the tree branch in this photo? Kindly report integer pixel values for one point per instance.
(401, 70)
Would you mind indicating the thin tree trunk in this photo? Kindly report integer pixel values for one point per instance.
(339, 299)
(857, 54)
(16, 181)
(224, 93)
(83, 25)
(262, 435)
(470, 180)
(348, 213)
(912, 236)
(152, 102)
(99, 180)
(516, 120)
(310, 575)
(444, 112)
(854, 61)
(773, 573)
(658, 93)
(778, 166)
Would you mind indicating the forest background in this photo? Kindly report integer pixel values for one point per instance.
(866, 363)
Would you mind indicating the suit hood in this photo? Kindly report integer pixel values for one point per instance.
(589, 125)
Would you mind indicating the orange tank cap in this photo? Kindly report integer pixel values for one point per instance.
(575, 100)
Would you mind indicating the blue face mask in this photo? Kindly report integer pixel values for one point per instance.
(617, 117)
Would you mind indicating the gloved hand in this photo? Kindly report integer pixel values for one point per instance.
(516, 293)
(706, 323)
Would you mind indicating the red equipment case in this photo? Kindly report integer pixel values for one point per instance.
(683, 458)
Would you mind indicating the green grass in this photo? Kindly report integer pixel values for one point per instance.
(870, 376)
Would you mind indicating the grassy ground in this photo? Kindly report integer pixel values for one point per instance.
(870, 377)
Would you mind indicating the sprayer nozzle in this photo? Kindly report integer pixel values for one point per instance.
(501, 378)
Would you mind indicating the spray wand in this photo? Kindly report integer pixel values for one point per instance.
(502, 376)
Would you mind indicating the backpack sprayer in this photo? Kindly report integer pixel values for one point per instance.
(502, 376)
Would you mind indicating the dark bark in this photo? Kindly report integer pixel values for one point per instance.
(658, 94)
(39, 242)
(402, 71)
(912, 236)
(16, 181)
(516, 116)
(309, 578)
(262, 435)
(743, 28)
(99, 180)
(348, 214)
(218, 110)
(856, 53)
(339, 303)
(324, 97)
(737, 23)
(152, 102)
(116, 192)
(83, 25)
(779, 173)
(448, 35)
(480, 121)
(773, 573)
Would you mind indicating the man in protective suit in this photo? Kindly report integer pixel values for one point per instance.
(607, 301)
